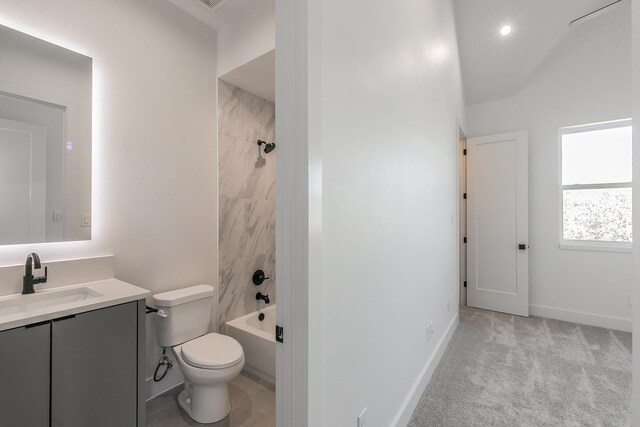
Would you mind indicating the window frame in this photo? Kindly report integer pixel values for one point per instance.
(589, 245)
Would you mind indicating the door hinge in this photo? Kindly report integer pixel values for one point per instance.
(464, 196)
(279, 333)
(464, 239)
(464, 152)
(465, 283)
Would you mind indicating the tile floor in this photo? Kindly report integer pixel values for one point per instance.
(253, 404)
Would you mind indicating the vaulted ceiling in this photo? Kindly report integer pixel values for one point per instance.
(496, 66)
(493, 66)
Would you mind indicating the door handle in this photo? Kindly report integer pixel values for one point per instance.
(522, 246)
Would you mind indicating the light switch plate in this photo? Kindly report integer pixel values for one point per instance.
(85, 220)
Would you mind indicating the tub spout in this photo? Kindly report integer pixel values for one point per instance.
(261, 296)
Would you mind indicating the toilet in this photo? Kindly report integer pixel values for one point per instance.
(207, 360)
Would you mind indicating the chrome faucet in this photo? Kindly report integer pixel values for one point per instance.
(33, 261)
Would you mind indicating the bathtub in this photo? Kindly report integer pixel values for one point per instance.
(258, 342)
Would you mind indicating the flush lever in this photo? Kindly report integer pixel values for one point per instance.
(156, 311)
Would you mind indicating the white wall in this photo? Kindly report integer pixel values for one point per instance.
(586, 80)
(246, 35)
(154, 138)
(389, 96)
(636, 206)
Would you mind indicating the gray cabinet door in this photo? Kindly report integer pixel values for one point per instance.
(24, 376)
(94, 368)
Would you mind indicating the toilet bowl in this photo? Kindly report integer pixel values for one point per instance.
(208, 361)
(207, 368)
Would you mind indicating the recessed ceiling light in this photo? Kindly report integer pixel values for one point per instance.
(505, 30)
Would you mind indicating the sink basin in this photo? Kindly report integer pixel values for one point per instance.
(49, 304)
(17, 304)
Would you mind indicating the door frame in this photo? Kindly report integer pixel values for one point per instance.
(462, 216)
(298, 214)
(521, 308)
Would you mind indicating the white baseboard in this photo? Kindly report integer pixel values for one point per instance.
(259, 374)
(411, 402)
(580, 317)
(173, 379)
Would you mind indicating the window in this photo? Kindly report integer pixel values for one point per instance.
(596, 185)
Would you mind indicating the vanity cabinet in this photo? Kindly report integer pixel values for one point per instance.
(75, 371)
(93, 368)
(24, 376)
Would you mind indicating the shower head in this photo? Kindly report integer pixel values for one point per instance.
(268, 146)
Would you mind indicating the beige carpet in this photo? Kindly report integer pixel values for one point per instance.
(502, 370)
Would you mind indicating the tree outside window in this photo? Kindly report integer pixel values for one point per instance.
(596, 184)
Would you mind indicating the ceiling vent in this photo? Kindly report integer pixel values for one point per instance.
(212, 4)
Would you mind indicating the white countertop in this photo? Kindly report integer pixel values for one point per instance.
(105, 293)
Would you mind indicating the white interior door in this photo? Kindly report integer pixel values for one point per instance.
(497, 223)
(23, 151)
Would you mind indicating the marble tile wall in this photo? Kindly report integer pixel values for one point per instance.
(247, 180)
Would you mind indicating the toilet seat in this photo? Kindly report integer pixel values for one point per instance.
(212, 351)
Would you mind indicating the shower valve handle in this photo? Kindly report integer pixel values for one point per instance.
(258, 277)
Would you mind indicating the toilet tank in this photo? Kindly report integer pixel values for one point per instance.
(185, 314)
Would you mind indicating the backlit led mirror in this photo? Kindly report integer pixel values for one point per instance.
(45, 141)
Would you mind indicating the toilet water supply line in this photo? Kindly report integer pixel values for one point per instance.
(164, 359)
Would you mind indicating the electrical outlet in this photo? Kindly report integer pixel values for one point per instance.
(362, 418)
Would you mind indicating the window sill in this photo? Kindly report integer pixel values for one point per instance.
(596, 248)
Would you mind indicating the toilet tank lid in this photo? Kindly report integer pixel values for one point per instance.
(181, 296)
